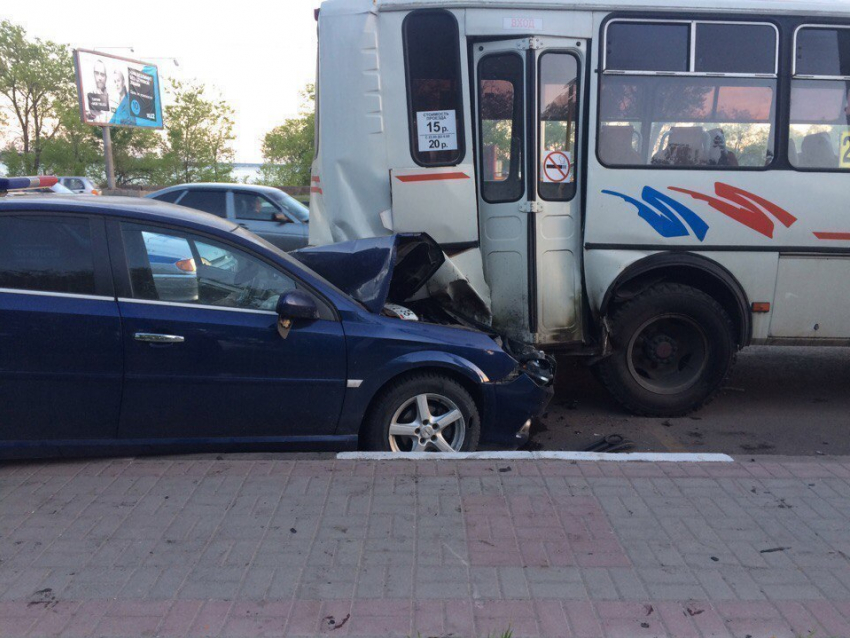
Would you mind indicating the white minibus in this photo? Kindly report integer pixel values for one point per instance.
(653, 185)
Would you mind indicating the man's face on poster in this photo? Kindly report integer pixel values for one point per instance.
(118, 85)
(100, 76)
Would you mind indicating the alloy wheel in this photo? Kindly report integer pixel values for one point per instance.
(427, 423)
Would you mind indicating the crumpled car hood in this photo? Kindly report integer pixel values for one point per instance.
(376, 270)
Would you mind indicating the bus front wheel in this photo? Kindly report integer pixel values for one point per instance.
(674, 347)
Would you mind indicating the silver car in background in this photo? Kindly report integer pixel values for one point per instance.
(268, 212)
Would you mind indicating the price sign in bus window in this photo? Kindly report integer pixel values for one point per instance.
(437, 130)
(845, 150)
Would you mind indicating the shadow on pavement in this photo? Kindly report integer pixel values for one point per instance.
(779, 400)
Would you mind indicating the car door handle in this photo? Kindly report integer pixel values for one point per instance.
(150, 337)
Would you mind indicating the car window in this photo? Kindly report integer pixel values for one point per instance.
(49, 254)
(207, 201)
(292, 206)
(254, 207)
(170, 196)
(74, 184)
(185, 268)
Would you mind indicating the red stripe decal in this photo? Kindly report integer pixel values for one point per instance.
(431, 177)
(315, 178)
(745, 207)
(838, 236)
(315, 189)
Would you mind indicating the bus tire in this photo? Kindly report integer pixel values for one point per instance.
(674, 348)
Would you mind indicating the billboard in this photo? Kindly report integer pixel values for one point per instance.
(116, 91)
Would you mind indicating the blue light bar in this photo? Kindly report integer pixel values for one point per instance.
(20, 183)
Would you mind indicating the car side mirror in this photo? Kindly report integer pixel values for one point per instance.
(280, 218)
(297, 304)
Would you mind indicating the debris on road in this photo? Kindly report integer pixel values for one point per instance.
(610, 443)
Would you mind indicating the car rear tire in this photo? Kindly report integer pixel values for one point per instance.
(674, 347)
(424, 412)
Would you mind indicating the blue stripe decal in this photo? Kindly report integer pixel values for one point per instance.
(664, 218)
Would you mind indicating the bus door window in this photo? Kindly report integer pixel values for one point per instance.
(500, 99)
(558, 119)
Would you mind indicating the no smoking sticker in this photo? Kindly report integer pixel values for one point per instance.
(557, 167)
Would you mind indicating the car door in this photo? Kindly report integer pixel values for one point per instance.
(204, 357)
(267, 219)
(60, 332)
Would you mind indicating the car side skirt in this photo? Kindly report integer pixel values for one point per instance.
(110, 447)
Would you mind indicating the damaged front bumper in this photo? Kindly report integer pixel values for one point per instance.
(515, 400)
(511, 405)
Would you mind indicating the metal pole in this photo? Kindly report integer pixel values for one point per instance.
(107, 153)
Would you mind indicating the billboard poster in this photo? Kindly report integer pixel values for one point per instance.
(117, 91)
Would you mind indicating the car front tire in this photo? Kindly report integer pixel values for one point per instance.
(423, 412)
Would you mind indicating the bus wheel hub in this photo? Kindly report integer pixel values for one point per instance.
(661, 349)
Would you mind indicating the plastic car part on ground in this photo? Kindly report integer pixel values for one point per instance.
(610, 443)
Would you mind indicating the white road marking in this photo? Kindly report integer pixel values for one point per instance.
(645, 457)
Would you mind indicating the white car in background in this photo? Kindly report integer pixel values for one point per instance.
(80, 185)
(43, 190)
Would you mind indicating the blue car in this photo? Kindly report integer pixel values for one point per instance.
(105, 344)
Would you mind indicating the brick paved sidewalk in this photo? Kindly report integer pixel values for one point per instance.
(433, 548)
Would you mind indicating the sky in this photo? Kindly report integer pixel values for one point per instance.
(259, 54)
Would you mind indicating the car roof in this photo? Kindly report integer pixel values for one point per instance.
(139, 208)
(220, 186)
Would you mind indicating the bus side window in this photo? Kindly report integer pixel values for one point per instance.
(661, 106)
(820, 99)
(434, 87)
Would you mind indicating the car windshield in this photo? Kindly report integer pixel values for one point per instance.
(246, 234)
(295, 208)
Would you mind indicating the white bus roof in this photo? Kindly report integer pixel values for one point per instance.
(830, 8)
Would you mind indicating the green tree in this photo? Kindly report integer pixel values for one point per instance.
(36, 79)
(76, 148)
(137, 158)
(199, 136)
(288, 149)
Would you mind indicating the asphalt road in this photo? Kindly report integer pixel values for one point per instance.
(780, 400)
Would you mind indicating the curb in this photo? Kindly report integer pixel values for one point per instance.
(623, 457)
